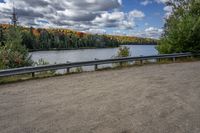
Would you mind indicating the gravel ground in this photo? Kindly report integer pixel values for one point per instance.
(148, 99)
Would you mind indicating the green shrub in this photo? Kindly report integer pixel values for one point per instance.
(42, 62)
(14, 54)
(182, 28)
(123, 52)
(79, 69)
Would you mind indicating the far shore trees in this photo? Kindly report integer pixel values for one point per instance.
(46, 39)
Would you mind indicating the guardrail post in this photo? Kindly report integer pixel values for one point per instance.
(68, 69)
(95, 66)
(141, 62)
(158, 60)
(33, 75)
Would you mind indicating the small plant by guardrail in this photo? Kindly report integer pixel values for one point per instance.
(123, 52)
(79, 69)
(42, 62)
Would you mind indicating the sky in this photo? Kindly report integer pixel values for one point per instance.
(142, 18)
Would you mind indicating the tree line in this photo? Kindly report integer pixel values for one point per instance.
(45, 39)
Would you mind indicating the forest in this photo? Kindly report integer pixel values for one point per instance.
(46, 39)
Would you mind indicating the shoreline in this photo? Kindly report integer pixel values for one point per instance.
(60, 49)
(86, 48)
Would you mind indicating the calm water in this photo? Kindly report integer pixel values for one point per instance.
(90, 54)
(64, 56)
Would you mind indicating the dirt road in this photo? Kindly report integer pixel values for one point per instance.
(148, 99)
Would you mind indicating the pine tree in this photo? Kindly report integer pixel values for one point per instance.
(14, 54)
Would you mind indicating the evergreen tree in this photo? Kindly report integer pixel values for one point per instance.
(14, 54)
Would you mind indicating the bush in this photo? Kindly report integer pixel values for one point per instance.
(79, 69)
(123, 52)
(164, 47)
(42, 62)
(14, 54)
(182, 28)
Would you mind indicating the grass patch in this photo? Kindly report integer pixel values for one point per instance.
(25, 77)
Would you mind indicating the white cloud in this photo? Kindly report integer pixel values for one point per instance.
(120, 2)
(136, 14)
(168, 10)
(150, 32)
(96, 31)
(118, 19)
(153, 30)
(161, 1)
(82, 15)
(146, 2)
(78, 10)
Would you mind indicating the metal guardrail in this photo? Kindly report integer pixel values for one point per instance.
(33, 70)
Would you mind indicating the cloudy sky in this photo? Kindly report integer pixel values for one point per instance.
(144, 18)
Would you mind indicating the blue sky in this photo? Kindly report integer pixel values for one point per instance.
(144, 18)
(154, 12)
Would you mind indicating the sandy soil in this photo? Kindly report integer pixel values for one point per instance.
(147, 99)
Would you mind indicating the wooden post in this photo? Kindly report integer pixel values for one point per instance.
(95, 67)
(158, 60)
(121, 64)
(33, 75)
(68, 70)
(141, 62)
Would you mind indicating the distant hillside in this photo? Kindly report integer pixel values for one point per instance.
(45, 39)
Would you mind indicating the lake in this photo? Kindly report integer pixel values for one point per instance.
(63, 56)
